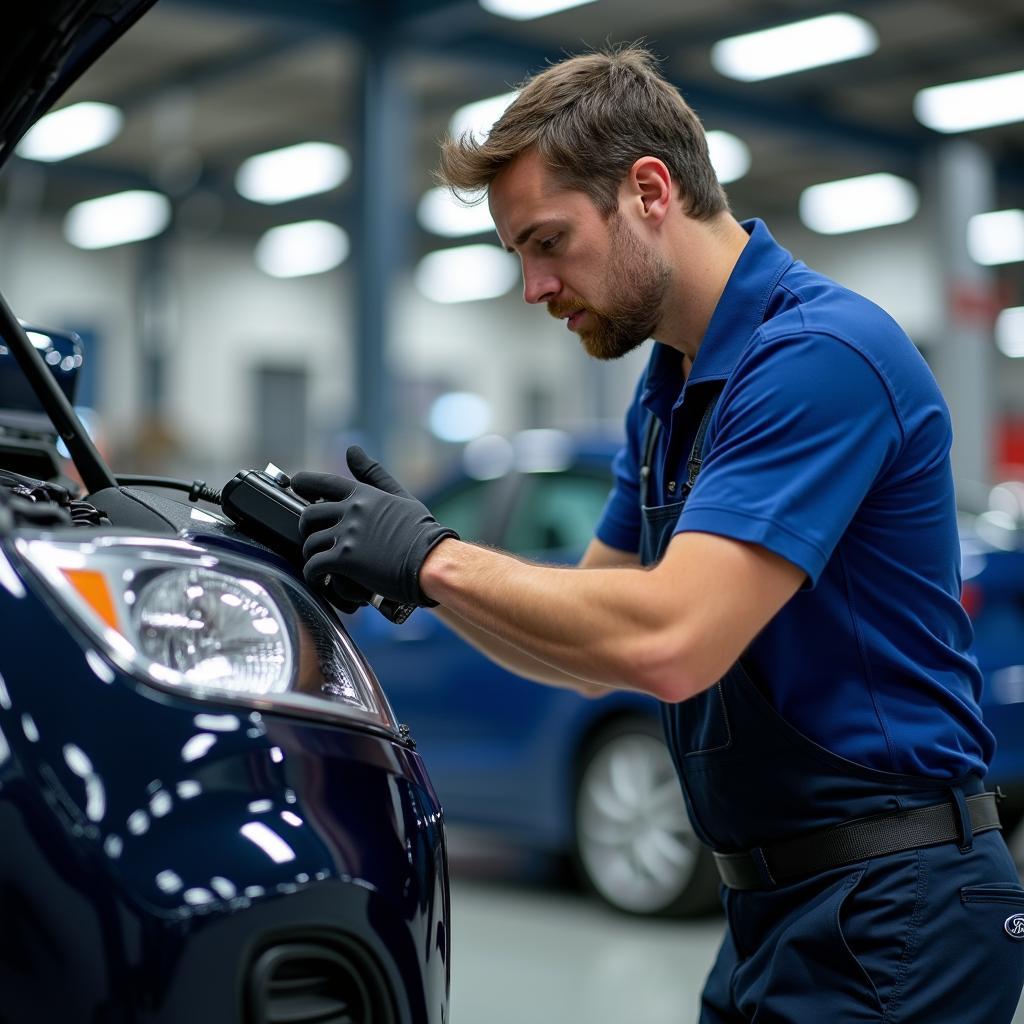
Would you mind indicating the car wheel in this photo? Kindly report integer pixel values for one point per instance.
(635, 846)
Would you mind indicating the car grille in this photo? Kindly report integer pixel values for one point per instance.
(317, 982)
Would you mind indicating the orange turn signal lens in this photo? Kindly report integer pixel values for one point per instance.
(92, 587)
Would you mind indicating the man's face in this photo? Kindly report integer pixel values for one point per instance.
(593, 271)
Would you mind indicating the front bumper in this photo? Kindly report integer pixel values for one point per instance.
(156, 848)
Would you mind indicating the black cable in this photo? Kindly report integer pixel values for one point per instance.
(195, 489)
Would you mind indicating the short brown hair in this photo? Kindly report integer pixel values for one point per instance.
(590, 118)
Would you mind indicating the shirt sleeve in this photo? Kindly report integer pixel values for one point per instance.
(800, 434)
(619, 525)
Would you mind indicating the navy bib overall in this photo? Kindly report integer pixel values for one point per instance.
(922, 935)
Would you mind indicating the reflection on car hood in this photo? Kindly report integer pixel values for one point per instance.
(47, 45)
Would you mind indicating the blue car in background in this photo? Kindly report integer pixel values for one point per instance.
(208, 811)
(554, 771)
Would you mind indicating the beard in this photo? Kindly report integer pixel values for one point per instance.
(636, 283)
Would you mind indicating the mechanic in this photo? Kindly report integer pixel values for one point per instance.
(777, 562)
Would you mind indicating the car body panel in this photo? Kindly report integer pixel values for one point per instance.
(142, 827)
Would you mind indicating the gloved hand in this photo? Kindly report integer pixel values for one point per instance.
(369, 530)
(346, 595)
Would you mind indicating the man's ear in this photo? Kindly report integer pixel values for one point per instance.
(650, 183)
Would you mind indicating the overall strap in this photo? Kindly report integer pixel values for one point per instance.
(697, 451)
(651, 432)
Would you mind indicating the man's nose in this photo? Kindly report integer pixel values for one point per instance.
(540, 287)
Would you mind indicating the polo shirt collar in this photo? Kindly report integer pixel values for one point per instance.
(740, 311)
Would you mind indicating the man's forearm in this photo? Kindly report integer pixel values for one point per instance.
(516, 660)
(671, 631)
(606, 626)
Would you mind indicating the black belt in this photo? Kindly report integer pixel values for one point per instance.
(854, 841)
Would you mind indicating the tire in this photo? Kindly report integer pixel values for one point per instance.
(634, 844)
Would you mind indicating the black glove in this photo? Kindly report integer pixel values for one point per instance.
(370, 530)
(346, 595)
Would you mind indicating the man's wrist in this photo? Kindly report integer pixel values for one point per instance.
(432, 571)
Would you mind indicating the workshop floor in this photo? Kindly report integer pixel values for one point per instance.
(533, 952)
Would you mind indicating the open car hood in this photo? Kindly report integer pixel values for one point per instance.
(47, 45)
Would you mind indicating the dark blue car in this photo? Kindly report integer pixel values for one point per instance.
(558, 772)
(208, 811)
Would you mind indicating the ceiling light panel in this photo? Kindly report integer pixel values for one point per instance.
(442, 214)
(281, 175)
(467, 273)
(66, 133)
(996, 237)
(966, 106)
(855, 204)
(1010, 332)
(828, 39)
(730, 156)
(300, 249)
(117, 219)
(526, 10)
(478, 118)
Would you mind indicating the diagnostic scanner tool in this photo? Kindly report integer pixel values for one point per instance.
(262, 503)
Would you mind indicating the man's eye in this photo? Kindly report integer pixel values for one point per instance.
(549, 243)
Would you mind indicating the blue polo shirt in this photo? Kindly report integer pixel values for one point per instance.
(829, 445)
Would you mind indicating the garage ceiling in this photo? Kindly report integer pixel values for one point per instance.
(206, 84)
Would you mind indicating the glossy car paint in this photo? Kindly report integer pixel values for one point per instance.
(154, 845)
(504, 752)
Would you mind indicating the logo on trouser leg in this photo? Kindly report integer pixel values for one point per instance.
(1015, 926)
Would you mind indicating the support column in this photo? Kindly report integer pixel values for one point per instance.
(380, 237)
(22, 210)
(964, 185)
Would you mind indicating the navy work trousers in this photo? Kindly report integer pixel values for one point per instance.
(922, 936)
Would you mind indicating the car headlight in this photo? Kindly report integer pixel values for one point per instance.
(213, 629)
(217, 626)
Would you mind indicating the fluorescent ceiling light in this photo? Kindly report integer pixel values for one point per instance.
(68, 132)
(467, 273)
(854, 204)
(979, 103)
(795, 47)
(307, 247)
(730, 156)
(459, 416)
(293, 172)
(479, 117)
(440, 212)
(1010, 332)
(117, 219)
(524, 10)
(996, 237)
